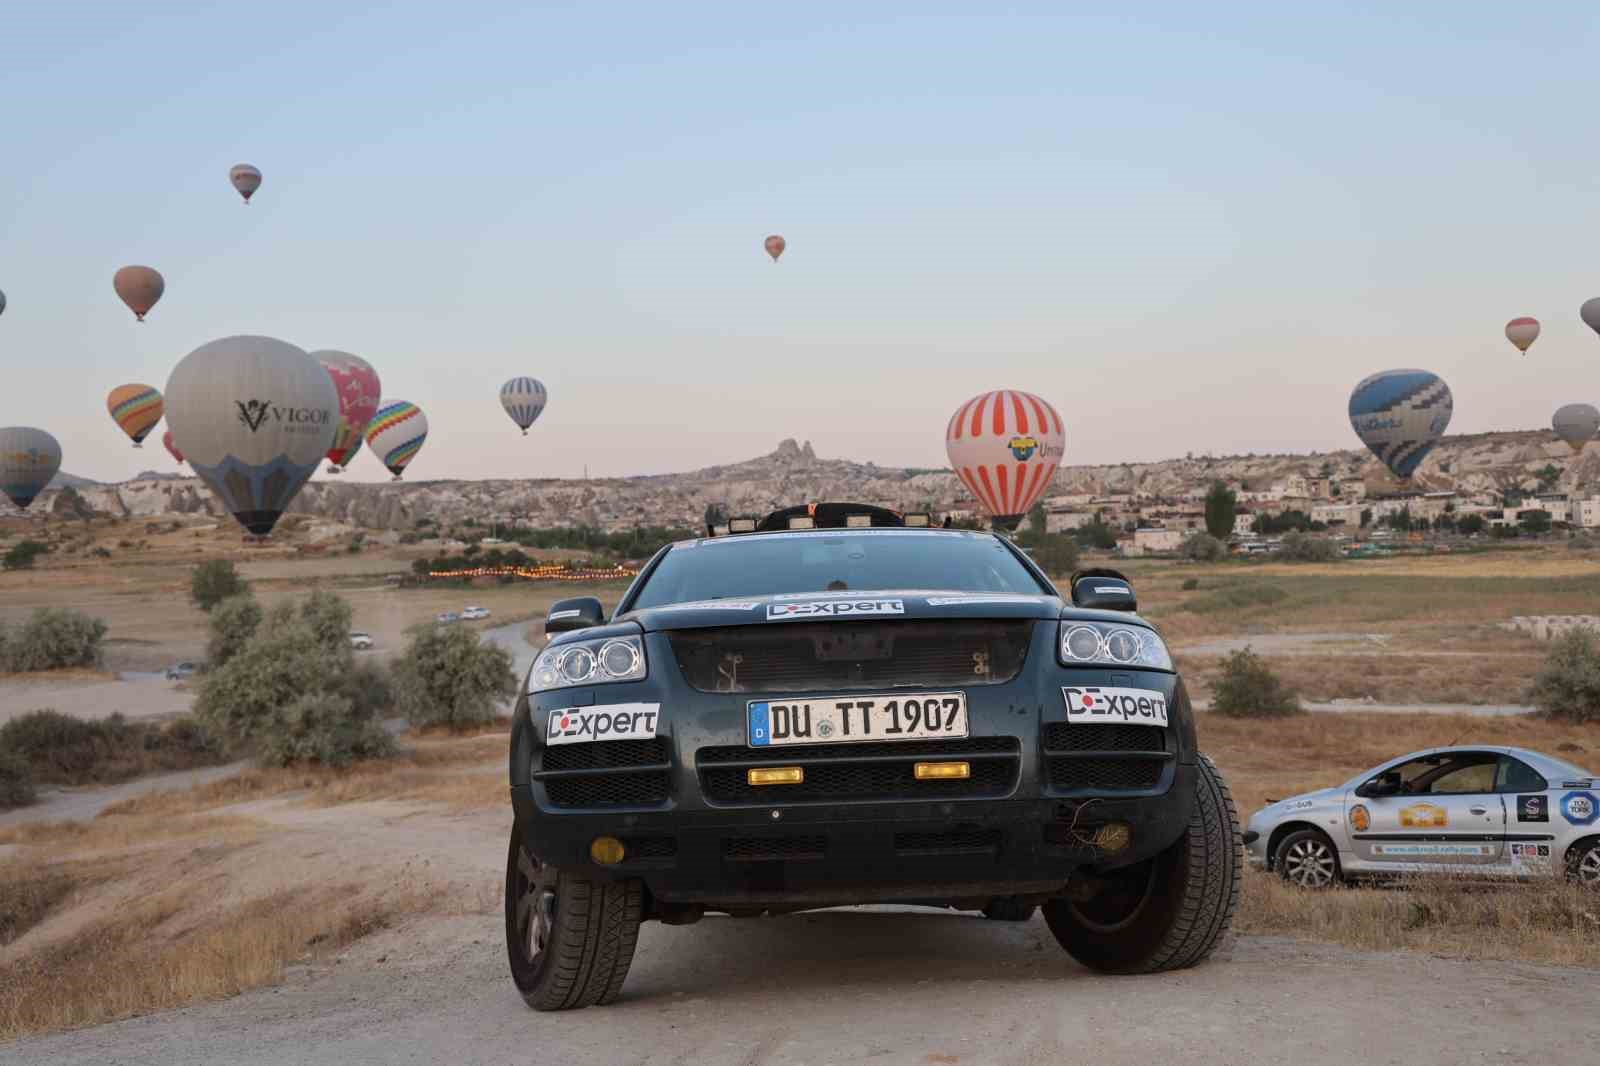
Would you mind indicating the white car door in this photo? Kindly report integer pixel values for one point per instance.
(1431, 812)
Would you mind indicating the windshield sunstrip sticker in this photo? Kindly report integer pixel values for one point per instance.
(617, 721)
(979, 598)
(1103, 703)
(710, 605)
(788, 612)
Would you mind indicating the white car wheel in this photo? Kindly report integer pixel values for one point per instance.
(1585, 867)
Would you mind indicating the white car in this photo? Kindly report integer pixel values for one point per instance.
(361, 641)
(448, 617)
(474, 614)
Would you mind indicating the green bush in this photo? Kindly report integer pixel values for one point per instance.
(1203, 547)
(1056, 553)
(1249, 689)
(1190, 584)
(233, 622)
(1236, 598)
(1567, 687)
(22, 554)
(448, 676)
(213, 581)
(1304, 548)
(63, 750)
(53, 639)
(322, 727)
(16, 780)
(328, 615)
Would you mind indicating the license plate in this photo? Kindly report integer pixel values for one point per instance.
(856, 719)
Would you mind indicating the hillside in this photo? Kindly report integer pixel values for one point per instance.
(1486, 462)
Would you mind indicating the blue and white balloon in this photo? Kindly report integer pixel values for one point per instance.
(29, 458)
(524, 400)
(1400, 415)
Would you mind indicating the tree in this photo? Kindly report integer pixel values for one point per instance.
(233, 622)
(1222, 503)
(214, 581)
(1096, 533)
(716, 515)
(1303, 548)
(1398, 520)
(1535, 522)
(1567, 687)
(54, 638)
(1548, 477)
(1470, 524)
(1056, 553)
(1037, 522)
(448, 676)
(1202, 547)
(23, 553)
(1366, 517)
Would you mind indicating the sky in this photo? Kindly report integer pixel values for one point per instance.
(1191, 227)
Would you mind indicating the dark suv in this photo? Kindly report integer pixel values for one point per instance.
(836, 708)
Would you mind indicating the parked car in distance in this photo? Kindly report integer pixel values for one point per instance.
(361, 641)
(474, 614)
(181, 671)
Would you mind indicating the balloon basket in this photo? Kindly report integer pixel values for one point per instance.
(136, 444)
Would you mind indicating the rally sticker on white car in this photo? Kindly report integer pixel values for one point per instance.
(1103, 703)
(616, 721)
(1434, 851)
(789, 612)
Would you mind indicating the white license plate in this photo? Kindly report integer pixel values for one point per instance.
(856, 719)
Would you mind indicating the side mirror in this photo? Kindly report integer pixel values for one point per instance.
(582, 612)
(1105, 590)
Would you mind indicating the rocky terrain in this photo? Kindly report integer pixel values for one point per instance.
(1487, 462)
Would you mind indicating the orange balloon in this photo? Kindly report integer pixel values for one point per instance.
(139, 287)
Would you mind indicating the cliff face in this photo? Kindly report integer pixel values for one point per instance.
(793, 473)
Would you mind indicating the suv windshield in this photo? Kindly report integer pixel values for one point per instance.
(828, 561)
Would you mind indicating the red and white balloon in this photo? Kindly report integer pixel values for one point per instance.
(1005, 446)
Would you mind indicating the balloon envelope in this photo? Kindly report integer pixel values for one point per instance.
(2, 303)
(256, 416)
(1590, 313)
(29, 458)
(396, 434)
(524, 400)
(358, 388)
(246, 179)
(172, 448)
(139, 287)
(775, 246)
(1576, 423)
(1005, 447)
(136, 409)
(1522, 332)
(1400, 415)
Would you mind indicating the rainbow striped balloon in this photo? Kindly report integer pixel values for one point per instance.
(137, 409)
(1005, 446)
(396, 434)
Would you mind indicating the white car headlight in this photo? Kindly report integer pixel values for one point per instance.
(588, 662)
(1102, 644)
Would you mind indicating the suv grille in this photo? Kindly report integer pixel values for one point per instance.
(613, 773)
(799, 657)
(883, 771)
(1104, 757)
(757, 849)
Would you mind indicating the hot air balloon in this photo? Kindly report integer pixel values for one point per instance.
(1005, 447)
(172, 449)
(1522, 332)
(1400, 415)
(2, 303)
(359, 389)
(246, 179)
(524, 400)
(139, 287)
(256, 416)
(396, 433)
(1590, 313)
(137, 409)
(775, 246)
(1576, 423)
(29, 458)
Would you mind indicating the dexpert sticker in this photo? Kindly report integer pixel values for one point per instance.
(785, 612)
(1532, 809)
(1141, 706)
(1580, 808)
(617, 721)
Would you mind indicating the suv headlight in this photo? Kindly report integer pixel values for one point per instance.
(588, 662)
(1102, 644)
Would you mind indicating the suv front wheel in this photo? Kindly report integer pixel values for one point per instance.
(1169, 911)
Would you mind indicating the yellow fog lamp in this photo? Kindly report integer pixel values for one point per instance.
(1113, 836)
(776, 775)
(943, 771)
(606, 851)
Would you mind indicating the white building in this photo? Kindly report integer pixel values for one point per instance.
(1337, 514)
(1158, 540)
(1585, 513)
(1066, 521)
(1244, 523)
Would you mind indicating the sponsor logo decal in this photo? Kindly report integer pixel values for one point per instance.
(784, 612)
(618, 721)
(1360, 818)
(1115, 590)
(1400, 851)
(1530, 852)
(1579, 808)
(571, 612)
(255, 413)
(1424, 816)
(1532, 809)
(1140, 706)
(1022, 448)
(712, 605)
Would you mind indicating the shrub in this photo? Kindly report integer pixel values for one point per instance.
(1190, 584)
(16, 780)
(1304, 548)
(328, 615)
(63, 750)
(23, 553)
(447, 676)
(214, 581)
(1203, 547)
(1056, 553)
(1249, 689)
(1567, 687)
(322, 727)
(53, 639)
(233, 622)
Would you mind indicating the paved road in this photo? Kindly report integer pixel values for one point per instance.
(870, 987)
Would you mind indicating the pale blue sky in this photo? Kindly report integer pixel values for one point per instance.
(1193, 227)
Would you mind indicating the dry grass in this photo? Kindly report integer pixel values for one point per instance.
(1391, 679)
(27, 894)
(152, 955)
(112, 833)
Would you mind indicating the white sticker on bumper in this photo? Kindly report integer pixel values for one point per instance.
(616, 721)
(1103, 703)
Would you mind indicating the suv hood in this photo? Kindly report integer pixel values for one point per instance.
(863, 605)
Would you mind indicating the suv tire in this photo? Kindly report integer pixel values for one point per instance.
(1170, 911)
(570, 938)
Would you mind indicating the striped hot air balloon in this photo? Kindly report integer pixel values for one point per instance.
(396, 433)
(524, 400)
(1005, 446)
(1522, 332)
(137, 409)
(1400, 415)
